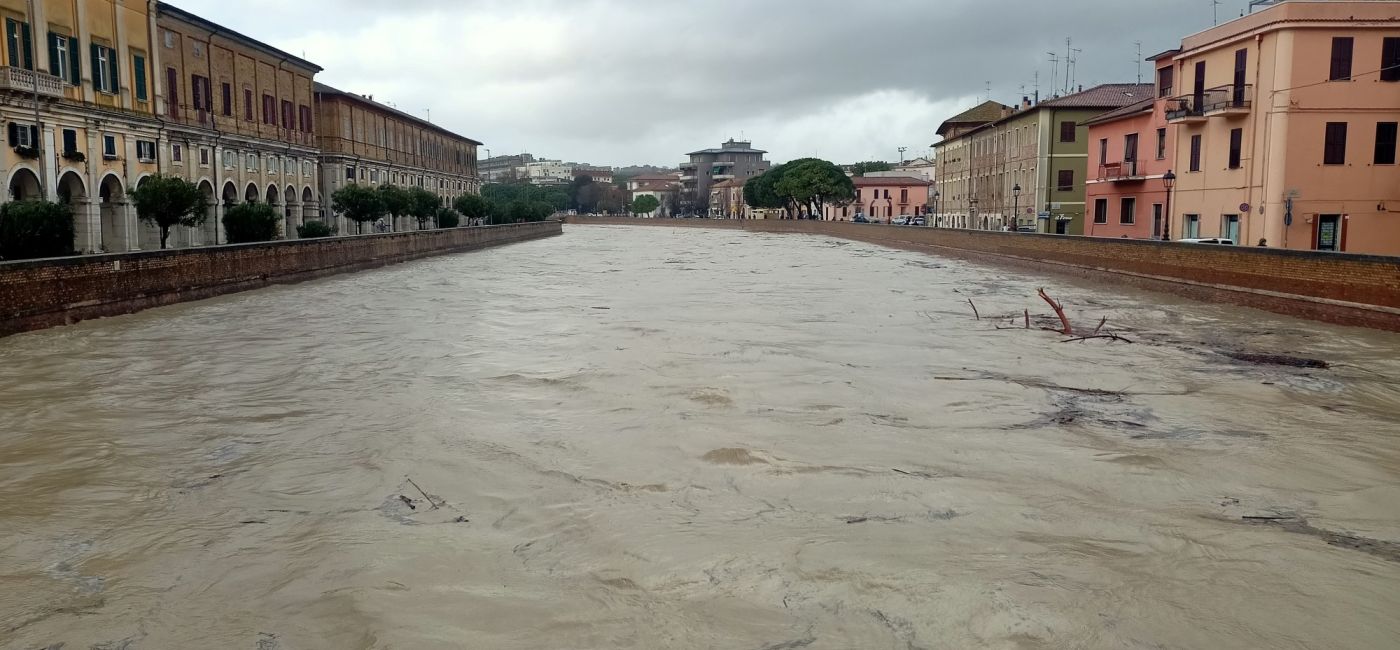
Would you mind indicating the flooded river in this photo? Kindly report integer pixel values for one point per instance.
(678, 438)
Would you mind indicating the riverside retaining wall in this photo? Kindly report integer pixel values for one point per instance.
(1362, 290)
(35, 294)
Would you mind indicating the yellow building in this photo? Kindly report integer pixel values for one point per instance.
(84, 67)
(240, 121)
(366, 142)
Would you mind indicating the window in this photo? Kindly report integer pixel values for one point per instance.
(1341, 59)
(1164, 81)
(23, 135)
(272, 164)
(269, 109)
(226, 90)
(304, 121)
(1066, 183)
(169, 40)
(230, 158)
(104, 69)
(70, 142)
(1241, 66)
(887, 194)
(1067, 131)
(904, 196)
(288, 165)
(1390, 58)
(349, 173)
(287, 115)
(1192, 229)
(138, 68)
(63, 58)
(1196, 153)
(1334, 150)
(1385, 143)
(203, 100)
(1130, 152)
(1103, 151)
(172, 92)
(204, 156)
(248, 104)
(1236, 144)
(1128, 211)
(177, 153)
(109, 146)
(1161, 144)
(251, 164)
(19, 44)
(306, 168)
(1100, 210)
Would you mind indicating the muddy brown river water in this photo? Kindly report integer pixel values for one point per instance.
(677, 438)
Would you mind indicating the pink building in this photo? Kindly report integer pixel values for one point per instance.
(1286, 128)
(1130, 151)
(883, 199)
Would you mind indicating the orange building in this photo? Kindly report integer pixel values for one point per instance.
(1130, 152)
(1286, 128)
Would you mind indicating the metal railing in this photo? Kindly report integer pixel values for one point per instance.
(1227, 97)
(1118, 170)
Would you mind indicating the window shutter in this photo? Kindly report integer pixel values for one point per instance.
(28, 46)
(112, 67)
(75, 61)
(138, 65)
(11, 43)
(53, 55)
(34, 136)
(14, 134)
(70, 141)
(96, 66)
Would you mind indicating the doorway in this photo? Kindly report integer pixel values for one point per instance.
(1230, 227)
(1157, 220)
(1329, 232)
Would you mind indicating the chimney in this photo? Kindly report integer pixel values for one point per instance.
(1025, 102)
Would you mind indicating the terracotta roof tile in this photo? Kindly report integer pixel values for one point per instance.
(1104, 96)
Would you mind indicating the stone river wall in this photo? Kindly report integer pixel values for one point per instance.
(1361, 290)
(35, 294)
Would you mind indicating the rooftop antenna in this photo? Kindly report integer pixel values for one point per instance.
(989, 91)
(1072, 74)
(1215, 11)
(1037, 86)
(1054, 68)
(1138, 60)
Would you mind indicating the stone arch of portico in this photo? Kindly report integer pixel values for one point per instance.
(209, 230)
(291, 211)
(250, 193)
(72, 192)
(23, 183)
(113, 224)
(273, 196)
(230, 194)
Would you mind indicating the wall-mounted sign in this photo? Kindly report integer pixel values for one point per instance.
(1244, 207)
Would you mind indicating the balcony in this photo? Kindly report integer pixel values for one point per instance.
(1122, 171)
(1229, 101)
(1186, 110)
(21, 80)
(687, 178)
(722, 177)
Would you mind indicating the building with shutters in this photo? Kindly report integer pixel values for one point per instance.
(366, 142)
(1286, 128)
(240, 121)
(1130, 152)
(883, 199)
(85, 65)
(733, 160)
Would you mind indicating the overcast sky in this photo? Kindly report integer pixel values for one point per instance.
(621, 82)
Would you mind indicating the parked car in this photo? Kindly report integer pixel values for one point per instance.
(860, 218)
(1209, 240)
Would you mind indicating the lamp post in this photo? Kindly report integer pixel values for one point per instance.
(936, 213)
(1169, 180)
(1016, 208)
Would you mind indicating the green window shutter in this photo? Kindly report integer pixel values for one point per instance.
(75, 62)
(53, 55)
(112, 70)
(12, 43)
(138, 67)
(96, 65)
(28, 46)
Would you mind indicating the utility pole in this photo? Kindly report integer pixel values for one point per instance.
(38, 126)
(1054, 69)
(1074, 67)
(901, 154)
(1215, 11)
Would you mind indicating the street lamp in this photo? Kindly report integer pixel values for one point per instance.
(1016, 207)
(936, 213)
(1169, 180)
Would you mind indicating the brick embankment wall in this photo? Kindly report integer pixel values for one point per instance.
(36, 294)
(1362, 290)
